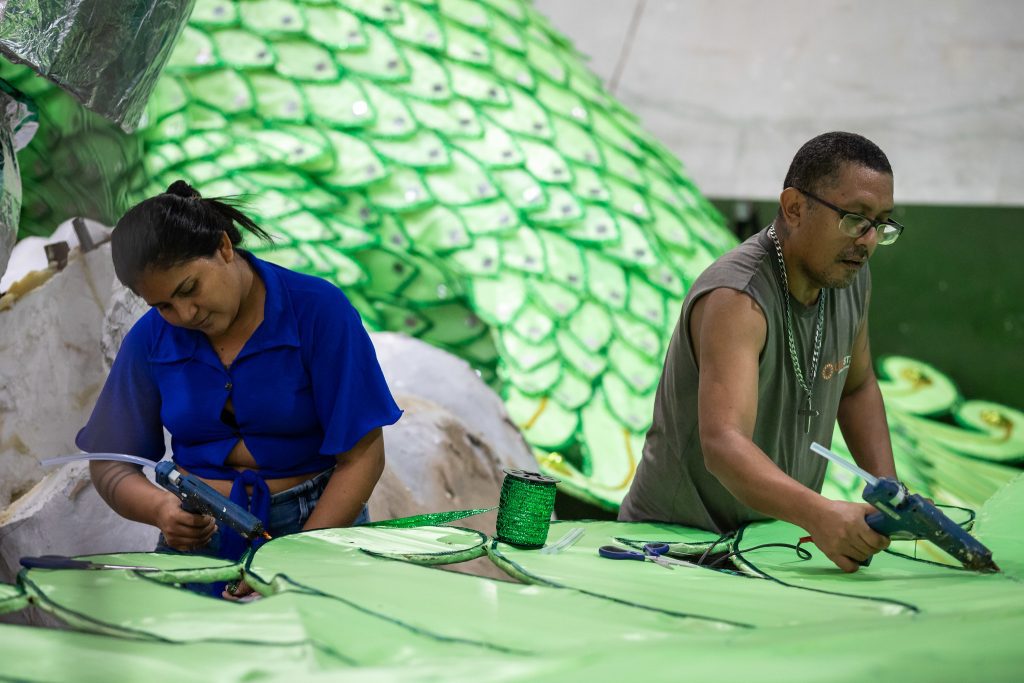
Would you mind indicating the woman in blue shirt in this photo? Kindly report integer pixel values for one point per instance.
(265, 379)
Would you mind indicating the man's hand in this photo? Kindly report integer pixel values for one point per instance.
(182, 530)
(841, 532)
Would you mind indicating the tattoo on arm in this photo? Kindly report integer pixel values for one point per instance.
(111, 478)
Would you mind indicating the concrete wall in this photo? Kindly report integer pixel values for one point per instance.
(735, 87)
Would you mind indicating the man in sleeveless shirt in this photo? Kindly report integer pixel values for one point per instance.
(770, 350)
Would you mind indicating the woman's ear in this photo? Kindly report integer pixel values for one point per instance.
(226, 249)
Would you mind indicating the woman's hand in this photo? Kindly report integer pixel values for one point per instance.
(240, 592)
(183, 530)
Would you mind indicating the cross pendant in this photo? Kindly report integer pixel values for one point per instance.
(809, 412)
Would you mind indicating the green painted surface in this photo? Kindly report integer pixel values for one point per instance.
(338, 604)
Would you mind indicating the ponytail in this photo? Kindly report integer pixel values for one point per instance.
(174, 227)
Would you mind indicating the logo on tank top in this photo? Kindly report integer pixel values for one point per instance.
(832, 369)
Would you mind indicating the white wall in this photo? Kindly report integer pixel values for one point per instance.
(734, 87)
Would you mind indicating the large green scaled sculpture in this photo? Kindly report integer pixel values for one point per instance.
(460, 173)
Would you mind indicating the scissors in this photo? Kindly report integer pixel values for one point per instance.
(655, 552)
(62, 562)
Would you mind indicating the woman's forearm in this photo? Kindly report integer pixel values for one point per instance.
(126, 490)
(351, 484)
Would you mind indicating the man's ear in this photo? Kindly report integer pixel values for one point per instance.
(793, 206)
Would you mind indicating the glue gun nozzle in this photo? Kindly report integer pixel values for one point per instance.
(266, 536)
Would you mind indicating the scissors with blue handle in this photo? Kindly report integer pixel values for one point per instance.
(652, 551)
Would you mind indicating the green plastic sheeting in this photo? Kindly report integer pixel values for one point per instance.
(367, 604)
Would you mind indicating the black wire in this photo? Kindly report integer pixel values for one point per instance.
(802, 553)
(727, 535)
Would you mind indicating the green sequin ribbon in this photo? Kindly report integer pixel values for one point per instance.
(524, 509)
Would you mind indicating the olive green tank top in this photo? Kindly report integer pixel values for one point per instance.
(671, 483)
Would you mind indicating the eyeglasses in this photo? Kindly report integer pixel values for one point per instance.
(856, 226)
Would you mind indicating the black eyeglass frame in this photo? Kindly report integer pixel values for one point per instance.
(876, 224)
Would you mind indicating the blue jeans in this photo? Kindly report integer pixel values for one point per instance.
(289, 510)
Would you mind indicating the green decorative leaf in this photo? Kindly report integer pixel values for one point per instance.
(464, 182)
(437, 229)
(575, 142)
(544, 163)
(557, 300)
(225, 91)
(482, 259)
(304, 61)
(423, 150)
(451, 324)
(562, 101)
(645, 302)
(573, 391)
(464, 46)
(497, 300)
(544, 423)
(537, 381)
(277, 98)
(523, 250)
(243, 50)
(606, 280)
(388, 272)
(490, 218)
(592, 326)
(272, 17)
(598, 226)
(214, 13)
(472, 15)
(532, 324)
(570, 262)
(343, 104)
(496, 149)
(638, 370)
(524, 353)
(392, 118)
(454, 118)
(419, 27)
(632, 247)
(476, 83)
(427, 78)
(545, 61)
(355, 162)
(402, 190)
(632, 410)
(336, 29)
(523, 115)
(194, 51)
(562, 209)
(380, 60)
(520, 188)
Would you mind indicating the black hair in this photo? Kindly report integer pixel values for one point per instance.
(174, 227)
(818, 161)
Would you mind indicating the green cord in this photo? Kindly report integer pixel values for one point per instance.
(524, 509)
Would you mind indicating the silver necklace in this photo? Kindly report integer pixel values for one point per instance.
(808, 412)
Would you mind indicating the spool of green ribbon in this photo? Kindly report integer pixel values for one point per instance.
(524, 509)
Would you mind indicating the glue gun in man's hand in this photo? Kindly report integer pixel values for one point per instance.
(906, 516)
(200, 498)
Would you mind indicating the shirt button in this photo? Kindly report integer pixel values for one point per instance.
(227, 387)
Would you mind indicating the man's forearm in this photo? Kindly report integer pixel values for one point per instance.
(757, 482)
(866, 430)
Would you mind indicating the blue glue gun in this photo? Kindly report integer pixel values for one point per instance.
(905, 516)
(200, 498)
